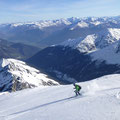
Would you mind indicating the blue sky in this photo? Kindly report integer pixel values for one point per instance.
(34, 10)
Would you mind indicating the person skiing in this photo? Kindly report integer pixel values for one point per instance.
(77, 89)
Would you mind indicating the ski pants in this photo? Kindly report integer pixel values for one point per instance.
(77, 92)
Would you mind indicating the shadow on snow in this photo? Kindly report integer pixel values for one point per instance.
(43, 105)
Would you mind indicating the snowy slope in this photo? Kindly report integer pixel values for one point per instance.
(100, 100)
(16, 75)
(110, 54)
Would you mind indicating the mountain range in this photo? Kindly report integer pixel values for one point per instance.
(86, 57)
(53, 57)
(49, 32)
(73, 49)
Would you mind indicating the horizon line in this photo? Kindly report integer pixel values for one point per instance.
(61, 19)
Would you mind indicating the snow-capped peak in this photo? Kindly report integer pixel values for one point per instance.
(96, 23)
(3, 63)
(115, 33)
(94, 41)
(16, 75)
(88, 44)
(43, 24)
(81, 24)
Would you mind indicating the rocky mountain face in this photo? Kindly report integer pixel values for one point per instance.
(16, 75)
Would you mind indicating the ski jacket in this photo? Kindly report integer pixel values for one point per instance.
(77, 87)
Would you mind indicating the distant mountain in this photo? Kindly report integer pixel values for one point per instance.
(76, 49)
(7, 51)
(16, 50)
(24, 50)
(82, 59)
(5, 42)
(16, 75)
(94, 42)
(31, 32)
(49, 32)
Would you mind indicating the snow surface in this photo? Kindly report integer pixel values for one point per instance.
(110, 54)
(100, 100)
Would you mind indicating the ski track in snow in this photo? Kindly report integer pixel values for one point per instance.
(100, 100)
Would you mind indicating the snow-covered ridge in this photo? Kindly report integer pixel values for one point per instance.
(43, 24)
(115, 33)
(81, 24)
(94, 42)
(77, 22)
(16, 75)
(3, 63)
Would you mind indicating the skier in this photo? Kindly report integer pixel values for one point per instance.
(77, 89)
